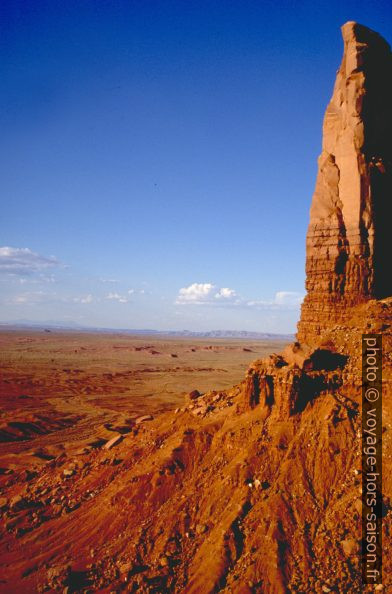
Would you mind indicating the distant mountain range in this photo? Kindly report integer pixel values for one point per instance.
(228, 334)
(73, 326)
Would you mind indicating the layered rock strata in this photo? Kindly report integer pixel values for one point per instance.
(348, 238)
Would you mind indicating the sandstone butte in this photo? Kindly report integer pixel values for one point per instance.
(349, 237)
(255, 489)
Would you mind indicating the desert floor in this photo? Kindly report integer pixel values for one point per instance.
(62, 392)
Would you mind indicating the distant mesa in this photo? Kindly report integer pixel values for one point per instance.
(71, 326)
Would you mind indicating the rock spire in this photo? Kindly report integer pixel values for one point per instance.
(349, 239)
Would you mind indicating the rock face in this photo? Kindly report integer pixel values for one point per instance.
(348, 231)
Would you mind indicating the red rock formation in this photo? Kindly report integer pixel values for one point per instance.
(347, 235)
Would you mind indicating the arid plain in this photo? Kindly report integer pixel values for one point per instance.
(67, 392)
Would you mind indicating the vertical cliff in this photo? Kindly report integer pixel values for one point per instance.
(348, 238)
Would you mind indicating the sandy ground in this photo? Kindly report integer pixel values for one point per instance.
(62, 392)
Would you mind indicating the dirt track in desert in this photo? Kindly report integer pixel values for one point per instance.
(62, 392)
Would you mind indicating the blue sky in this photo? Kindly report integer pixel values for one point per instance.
(159, 157)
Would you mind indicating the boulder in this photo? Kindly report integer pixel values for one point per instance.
(113, 442)
(143, 419)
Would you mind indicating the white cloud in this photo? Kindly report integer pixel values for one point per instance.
(46, 278)
(138, 292)
(288, 298)
(84, 299)
(20, 299)
(225, 293)
(282, 300)
(205, 293)
(31, 297)
(23, 261)
(117, 297)
(108, 280)
(196, 293)
(37, 279)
